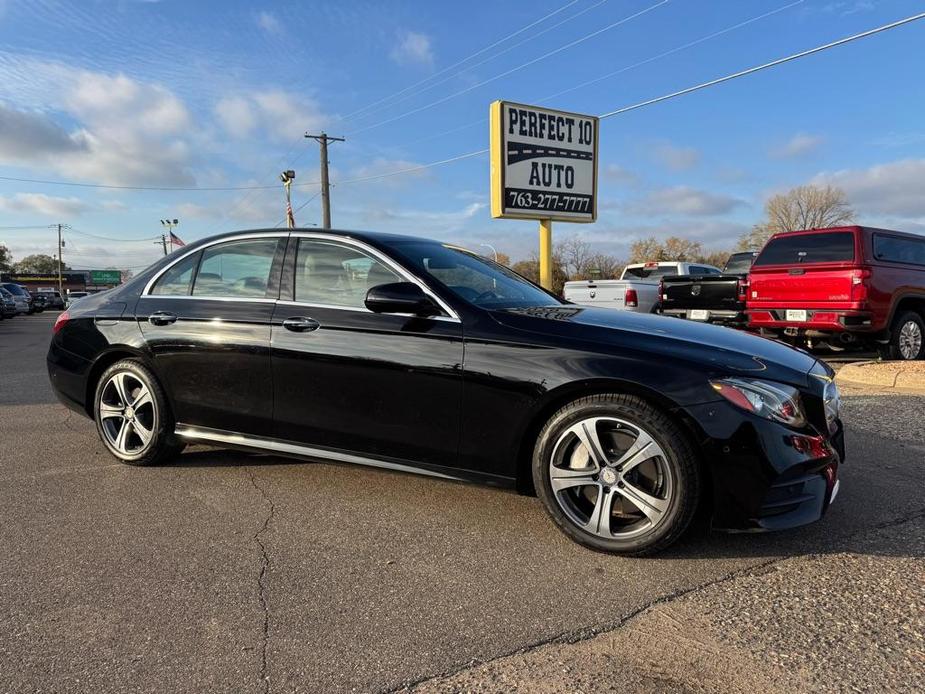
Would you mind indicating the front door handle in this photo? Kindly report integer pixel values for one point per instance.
(301, 324)
(162, 318)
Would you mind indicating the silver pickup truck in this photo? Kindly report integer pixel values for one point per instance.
(637, 288)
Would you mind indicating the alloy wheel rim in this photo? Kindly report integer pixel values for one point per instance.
(611, 478)
(910, 340)
(128, 415)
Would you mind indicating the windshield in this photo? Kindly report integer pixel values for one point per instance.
(650, 272)
(791, 249)
(473, 278)
(740, 263)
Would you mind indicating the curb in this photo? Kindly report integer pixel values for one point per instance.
(899, 376)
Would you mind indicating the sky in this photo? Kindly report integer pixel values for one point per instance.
(219, 94)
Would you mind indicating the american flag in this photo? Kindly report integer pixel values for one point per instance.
(290, 218)
(175, 240)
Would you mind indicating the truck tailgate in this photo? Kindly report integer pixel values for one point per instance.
(716, 292)
(611, 294)
(802, 287)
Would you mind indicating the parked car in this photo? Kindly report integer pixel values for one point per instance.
(53, 298)
(715, 298)
(842, 286)
(8, 307)
(412, 355)
(637, 288)
(74, 296)
(39, 303)
(21, 296)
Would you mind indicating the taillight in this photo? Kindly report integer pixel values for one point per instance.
(743, 290)
(631, 299)
(62, 318)
(859, 287)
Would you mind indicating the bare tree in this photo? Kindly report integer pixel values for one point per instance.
(684, 250)
(803, 207)
(575, 253)
(647, 250)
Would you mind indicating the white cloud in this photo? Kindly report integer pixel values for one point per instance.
(44, 205)
(406, 220)
(683, 200)
(413, 49)
(280, 113)
(893, 189)
(382, 167)
(676, 158)
(269, 23)
(620, 174)
(27, 135)
(799, 145)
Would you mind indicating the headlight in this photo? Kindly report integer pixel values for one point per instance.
(831, 399)
(774, 401)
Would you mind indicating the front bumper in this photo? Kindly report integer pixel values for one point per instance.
(764, 475)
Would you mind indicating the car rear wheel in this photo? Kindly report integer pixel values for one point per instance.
(616, 474)
(132, 415)
(907, 338)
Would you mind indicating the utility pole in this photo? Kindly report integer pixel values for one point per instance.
(323, 139)
(60, 258)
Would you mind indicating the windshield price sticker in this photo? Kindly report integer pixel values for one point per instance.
(543, 163)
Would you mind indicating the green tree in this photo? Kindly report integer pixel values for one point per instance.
(6, 259)
(39, 263)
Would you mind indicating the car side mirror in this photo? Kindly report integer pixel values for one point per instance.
(400, 297)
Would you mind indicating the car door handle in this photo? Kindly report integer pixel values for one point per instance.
(162, 318)
(301, 324)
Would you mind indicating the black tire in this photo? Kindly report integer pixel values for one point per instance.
(681, 466)
(163, 444)
(898, 348)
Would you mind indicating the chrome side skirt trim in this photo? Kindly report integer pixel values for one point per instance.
(205, 434)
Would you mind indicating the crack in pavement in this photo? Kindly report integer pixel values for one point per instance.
(261, 582)
(589, 632)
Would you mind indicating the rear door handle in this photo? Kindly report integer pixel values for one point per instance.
(301, 324)
(162, 318)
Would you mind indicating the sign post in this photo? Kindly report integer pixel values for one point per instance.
(544, 167)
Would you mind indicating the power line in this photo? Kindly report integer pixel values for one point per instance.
(508, 49)
(110, 238)
(765, 66)
(549, 54)
(468, 58)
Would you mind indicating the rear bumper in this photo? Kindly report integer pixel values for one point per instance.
(766, 476)
(68, 375)
(716, 316)
(822, 320)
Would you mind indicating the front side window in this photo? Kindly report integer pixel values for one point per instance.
(473, 278)
(177, 280)
(238, 269)
(337, 275)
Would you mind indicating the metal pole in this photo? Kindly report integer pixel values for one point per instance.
(60, 263)
(546, 254)
(492, 249)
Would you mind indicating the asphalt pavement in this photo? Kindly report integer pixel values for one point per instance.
(228, 571)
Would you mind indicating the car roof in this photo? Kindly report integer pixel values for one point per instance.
(382, 237)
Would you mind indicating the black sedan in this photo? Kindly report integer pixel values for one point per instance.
(414, 355)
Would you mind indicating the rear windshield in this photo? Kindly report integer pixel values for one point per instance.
(739, 263)
(649, 272)
(793, 249)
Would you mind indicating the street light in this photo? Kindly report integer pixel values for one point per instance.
(287, 177)
(168, 224)
(491, 248)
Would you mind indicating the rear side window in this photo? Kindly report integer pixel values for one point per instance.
(239, 269)
(899, 250)
(652, 272)
(176, 281)
(793, 249)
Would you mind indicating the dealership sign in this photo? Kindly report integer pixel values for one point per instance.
(105, 276)
(543, 163)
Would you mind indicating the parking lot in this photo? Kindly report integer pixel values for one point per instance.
(229, 571)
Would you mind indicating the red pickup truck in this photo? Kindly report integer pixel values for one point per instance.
(841, 286)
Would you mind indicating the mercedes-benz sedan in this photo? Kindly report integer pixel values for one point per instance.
(415, 355)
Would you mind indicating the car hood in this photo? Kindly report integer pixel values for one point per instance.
(716, 350)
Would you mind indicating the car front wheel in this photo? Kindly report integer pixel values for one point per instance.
(616, 474)
(132, 415)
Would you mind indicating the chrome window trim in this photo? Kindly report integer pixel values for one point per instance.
(237, 237)
(389, 263)
(259, 300)
(362, 309)
(195, 433)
